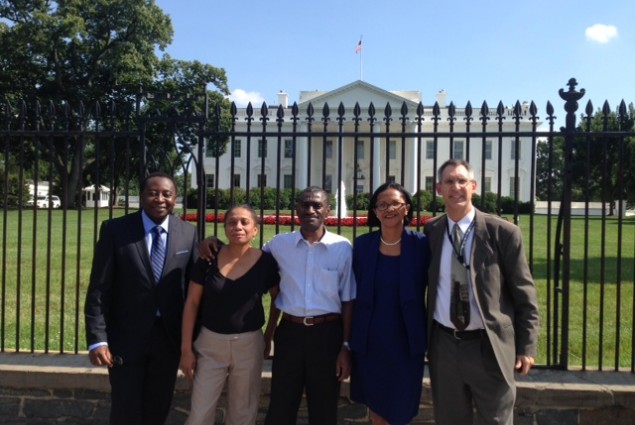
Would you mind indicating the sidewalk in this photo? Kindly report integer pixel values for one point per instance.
(65, 389)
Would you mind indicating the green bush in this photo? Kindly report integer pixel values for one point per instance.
(422, 200)
(13, 191)
(507, 206)
(428, 202)
(239, 197)
(489, 205)
(361, 204)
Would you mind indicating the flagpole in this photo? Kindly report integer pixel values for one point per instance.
(359, 49)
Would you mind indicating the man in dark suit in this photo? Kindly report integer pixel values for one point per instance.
(135, 302)
(476, 345)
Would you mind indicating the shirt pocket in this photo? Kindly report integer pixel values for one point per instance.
(327, 285)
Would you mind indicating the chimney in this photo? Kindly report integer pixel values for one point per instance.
(442, 97)
(283, 99)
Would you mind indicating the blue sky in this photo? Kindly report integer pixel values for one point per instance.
(488, 50)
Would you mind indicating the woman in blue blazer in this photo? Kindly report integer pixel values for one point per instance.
(388, 336)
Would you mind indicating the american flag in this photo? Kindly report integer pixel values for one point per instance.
(358, 48)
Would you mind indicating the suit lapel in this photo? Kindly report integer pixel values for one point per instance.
(136, 228)
(436, 234)
(173, 243)
(436, 239)
(371, 254)
(406, 274)
(480, 244)
(481, 250)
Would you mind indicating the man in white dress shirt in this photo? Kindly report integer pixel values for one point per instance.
(317, 289)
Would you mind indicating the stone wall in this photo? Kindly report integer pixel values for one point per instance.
(51, 389)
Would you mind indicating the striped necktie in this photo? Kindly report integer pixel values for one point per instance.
(157, 253)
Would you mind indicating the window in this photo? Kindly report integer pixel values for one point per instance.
(488, 149)
(288, 148)
(429, 149)
(328, 149)
(458, 150)
(209, 180)
(236, 182)
(262, 180)
(360, 149)
(237, 148)
(392, 149)
(487, 184)
(262, 148)
(288, 181)
(514, 154)
(429, 184)
(328, 183)
(512, 186)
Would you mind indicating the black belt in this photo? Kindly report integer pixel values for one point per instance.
(312, 320)
(473, 334)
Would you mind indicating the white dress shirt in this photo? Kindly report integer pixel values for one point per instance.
(315, 278)
(444, 288)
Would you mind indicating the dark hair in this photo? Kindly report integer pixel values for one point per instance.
(314, 189)
(372, 217)
(455, 163)
(161, 174)
(248, 207)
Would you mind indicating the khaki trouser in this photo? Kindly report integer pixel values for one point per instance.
(235, 358)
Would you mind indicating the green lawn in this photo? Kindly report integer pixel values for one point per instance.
(36, 288)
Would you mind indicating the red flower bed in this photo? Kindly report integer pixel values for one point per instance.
(285, 220)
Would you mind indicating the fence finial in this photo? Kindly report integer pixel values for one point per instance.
(571, 98)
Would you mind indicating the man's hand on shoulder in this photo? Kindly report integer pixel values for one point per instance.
(208, 248)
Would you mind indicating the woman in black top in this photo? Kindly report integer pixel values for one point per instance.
(226, 297)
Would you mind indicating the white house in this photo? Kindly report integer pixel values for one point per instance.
(96, 196)
(363, 93)
(42, 189)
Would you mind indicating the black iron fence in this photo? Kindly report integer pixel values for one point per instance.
(65, 168)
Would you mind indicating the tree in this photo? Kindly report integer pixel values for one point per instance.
(549, 169)
(94, 53)
(79, 49)
(602, 163)
(602, 159)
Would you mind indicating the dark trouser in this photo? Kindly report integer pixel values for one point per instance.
(304, 360)
(141, 392)
(465, 374)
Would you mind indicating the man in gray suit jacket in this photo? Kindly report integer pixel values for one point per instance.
(473, 358)
(133, 308)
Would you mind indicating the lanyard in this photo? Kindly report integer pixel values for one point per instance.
(461, 249)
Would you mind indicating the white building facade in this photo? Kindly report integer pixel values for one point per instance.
(385, 151)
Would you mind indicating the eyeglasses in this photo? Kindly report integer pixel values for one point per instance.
(383, 206)
(459, 182)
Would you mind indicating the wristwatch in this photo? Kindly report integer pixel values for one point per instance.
(346, 345)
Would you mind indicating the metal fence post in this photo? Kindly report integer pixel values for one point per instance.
(571, 98)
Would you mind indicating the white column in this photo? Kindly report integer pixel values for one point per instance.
(412, 172)
(302, 155)
(378, 177)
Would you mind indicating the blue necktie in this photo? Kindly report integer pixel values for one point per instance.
(157, 253)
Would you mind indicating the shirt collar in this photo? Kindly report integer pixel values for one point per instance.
(326, 238)
(465, 221)
(148, 224)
